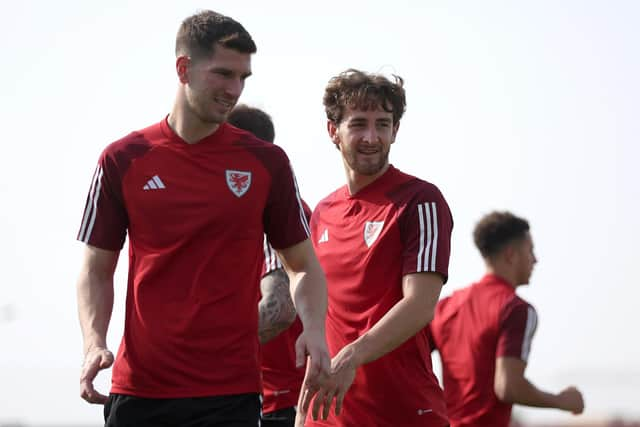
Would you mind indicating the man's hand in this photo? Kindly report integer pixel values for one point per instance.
(312, 346)
(343, 372)
(95, 360)
(571, 400)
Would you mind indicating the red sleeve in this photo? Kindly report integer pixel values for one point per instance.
(285, 222)
(104, 223)
(271, 260)
(425, 225)
(517, 327)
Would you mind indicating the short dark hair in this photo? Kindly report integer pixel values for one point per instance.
(253, 120)
(200, 33)
(364, 91)
(497, 229)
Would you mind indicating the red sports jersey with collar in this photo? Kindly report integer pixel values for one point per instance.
(366, 243)
(195, 215)
(281, 379)
(472, 328)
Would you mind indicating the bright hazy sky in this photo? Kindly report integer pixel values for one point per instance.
(526, 106)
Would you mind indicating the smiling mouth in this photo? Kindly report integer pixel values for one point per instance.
(225, 102)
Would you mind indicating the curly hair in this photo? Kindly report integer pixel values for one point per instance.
(497, 229)
(363, 91)
(200, 33)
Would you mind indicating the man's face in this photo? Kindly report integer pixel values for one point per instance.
(364, 139)
(214, 84)
(525, 259)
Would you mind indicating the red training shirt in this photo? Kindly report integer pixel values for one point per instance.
(472, 328)
(366, 243)
(195, 214)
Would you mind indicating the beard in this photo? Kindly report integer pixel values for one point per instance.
(367, 165)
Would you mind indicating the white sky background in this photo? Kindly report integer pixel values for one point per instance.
(531, 107)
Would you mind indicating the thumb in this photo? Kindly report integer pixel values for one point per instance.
(301, 352)
(106, 359)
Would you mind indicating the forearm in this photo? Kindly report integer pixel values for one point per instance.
(276, 310)
(95, 304)
(521, 391)
(309, 290)
(404, 320)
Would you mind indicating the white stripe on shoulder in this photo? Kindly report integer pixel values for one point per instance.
(94, 208)
(303, 217)
(429, 237)
(530, 329)
(435, 236)
(89, 205)
(420, 238)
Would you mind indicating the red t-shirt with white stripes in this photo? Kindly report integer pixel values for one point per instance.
(366, 243)
(195, 215)
(472, 328)
(281, 379)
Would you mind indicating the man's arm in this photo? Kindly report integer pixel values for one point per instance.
(95, 304)
(309, 290)
(276, 309)
(511, 386)
(404, 320)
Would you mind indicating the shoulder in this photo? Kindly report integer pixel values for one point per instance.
(133, 144)
(518, 307)
(329, 201)
(409, 188)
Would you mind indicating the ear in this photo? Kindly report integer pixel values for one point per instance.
(182, 68)
(510, 253)
(395, 132)
(332, 129)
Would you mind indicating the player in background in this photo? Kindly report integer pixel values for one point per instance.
(383, 241)
(195, 196)
(281, 378)
(484, 333)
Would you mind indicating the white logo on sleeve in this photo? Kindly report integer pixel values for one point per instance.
(154, 183)
(424, 411)
(372, 230)
(238, 182)
(324, 237)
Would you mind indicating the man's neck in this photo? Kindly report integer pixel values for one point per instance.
(187, 125)
(356, 181)
(503, 273)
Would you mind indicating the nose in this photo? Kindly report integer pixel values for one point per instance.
(370, 135)
(235, 87)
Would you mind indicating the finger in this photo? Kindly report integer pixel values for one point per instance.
(317, 402)
(326, 407)
(339, 400)
(306, 399)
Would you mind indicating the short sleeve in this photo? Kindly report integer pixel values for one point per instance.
(285, 221)
(104, 222)
(271, 260)
(517, 327)
(426, 225)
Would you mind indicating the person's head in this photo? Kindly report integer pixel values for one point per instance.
(253, 120)
(363, 115)
(213, 59)
(505, 243)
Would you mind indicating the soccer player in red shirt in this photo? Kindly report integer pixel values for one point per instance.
(281, 378)
(484, 333)
(195, 196)
(383, 241)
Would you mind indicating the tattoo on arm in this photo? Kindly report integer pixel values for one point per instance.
(276, 309)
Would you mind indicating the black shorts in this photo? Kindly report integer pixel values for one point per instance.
(241, 410)
(281, 418)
